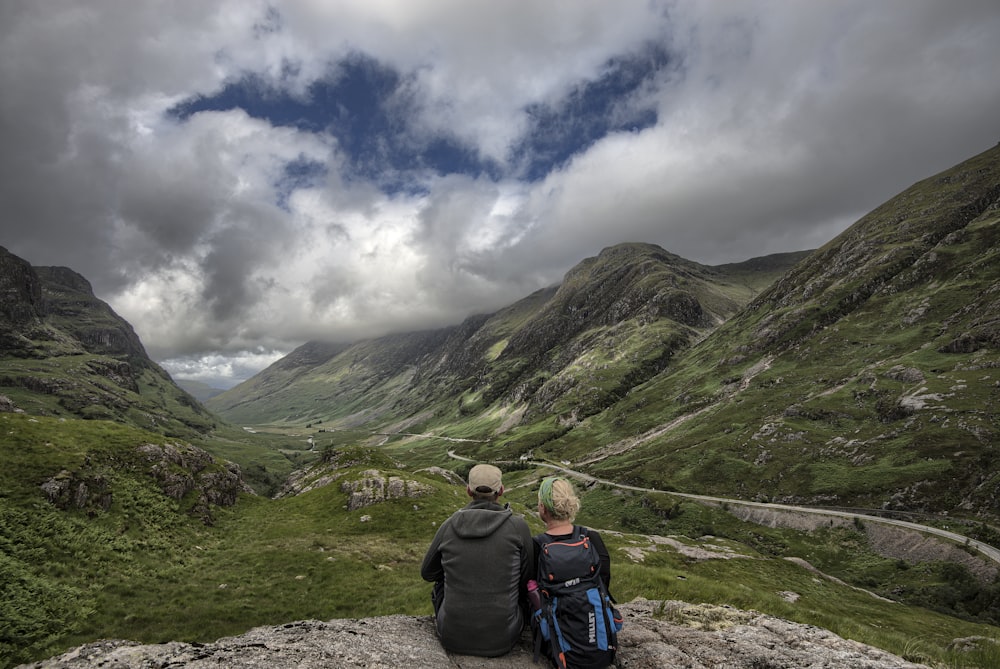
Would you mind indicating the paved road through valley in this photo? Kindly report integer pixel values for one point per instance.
(987, 550)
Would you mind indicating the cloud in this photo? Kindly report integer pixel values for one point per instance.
(237, 178)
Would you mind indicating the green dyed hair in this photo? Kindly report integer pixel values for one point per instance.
(559, 498)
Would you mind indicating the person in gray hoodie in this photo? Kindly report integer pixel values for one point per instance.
(480, 562)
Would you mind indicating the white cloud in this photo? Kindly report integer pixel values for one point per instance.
(222, 371)
(778, 125)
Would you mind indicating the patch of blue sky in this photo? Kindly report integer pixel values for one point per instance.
(591, 111)
(368, 108)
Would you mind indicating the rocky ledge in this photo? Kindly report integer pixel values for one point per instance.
(657, 634)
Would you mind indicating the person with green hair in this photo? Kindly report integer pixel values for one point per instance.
(575, 621)
(558, 505)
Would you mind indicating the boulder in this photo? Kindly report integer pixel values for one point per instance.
(657, 634)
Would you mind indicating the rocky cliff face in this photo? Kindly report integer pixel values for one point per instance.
(656, 635)
(71, 304)
(65, 352)
(20, 291)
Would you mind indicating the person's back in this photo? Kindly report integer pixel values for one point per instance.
(577, 624)
(481, 560)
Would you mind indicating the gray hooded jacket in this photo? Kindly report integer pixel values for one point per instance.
(484, 555)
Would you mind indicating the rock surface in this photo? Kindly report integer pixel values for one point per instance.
(374, 487)
(181, 471)
(656, 634)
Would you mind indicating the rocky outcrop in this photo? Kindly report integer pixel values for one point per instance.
(374, 487)
(181, 471)
(365, 488)
(656, 634)
(68, 490)
(20, 290)
(7, 405)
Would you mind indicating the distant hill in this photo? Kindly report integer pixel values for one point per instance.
(623, 315)
(864, 375)
(197, 389)
(63, 352)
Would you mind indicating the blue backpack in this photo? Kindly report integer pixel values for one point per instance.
(577, 621)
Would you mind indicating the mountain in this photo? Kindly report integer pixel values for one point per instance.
(615, 321)
(865, 375)
(64, 352)
(869, 375)
(197, 389)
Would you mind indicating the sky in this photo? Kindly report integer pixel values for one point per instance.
(236, 178)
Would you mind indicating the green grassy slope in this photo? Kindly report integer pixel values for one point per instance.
(143, 569)
(867, 376)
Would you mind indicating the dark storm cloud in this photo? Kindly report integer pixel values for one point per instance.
(238, 177)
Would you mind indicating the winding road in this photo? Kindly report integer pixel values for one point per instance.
(986, 549)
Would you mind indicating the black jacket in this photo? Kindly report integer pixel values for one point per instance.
(484, 555)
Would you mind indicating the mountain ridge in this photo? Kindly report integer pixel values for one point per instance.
(64, 352)
(860, 377)
(510, 354)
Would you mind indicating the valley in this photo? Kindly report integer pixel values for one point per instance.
(811, 435)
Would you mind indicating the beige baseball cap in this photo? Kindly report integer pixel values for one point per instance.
(485, 478)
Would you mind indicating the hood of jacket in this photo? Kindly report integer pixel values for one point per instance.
(479, 519)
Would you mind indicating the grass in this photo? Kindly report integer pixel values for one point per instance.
(144, 570)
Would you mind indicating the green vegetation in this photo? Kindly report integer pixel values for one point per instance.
(143, 569)
(866, 376)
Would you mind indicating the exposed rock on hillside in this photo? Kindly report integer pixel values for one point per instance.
(7, 405)
(656, 634)
(181, 471)
(374, 487)
(65, 352)
(20, 291)
(365, 488)
(71, 305)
